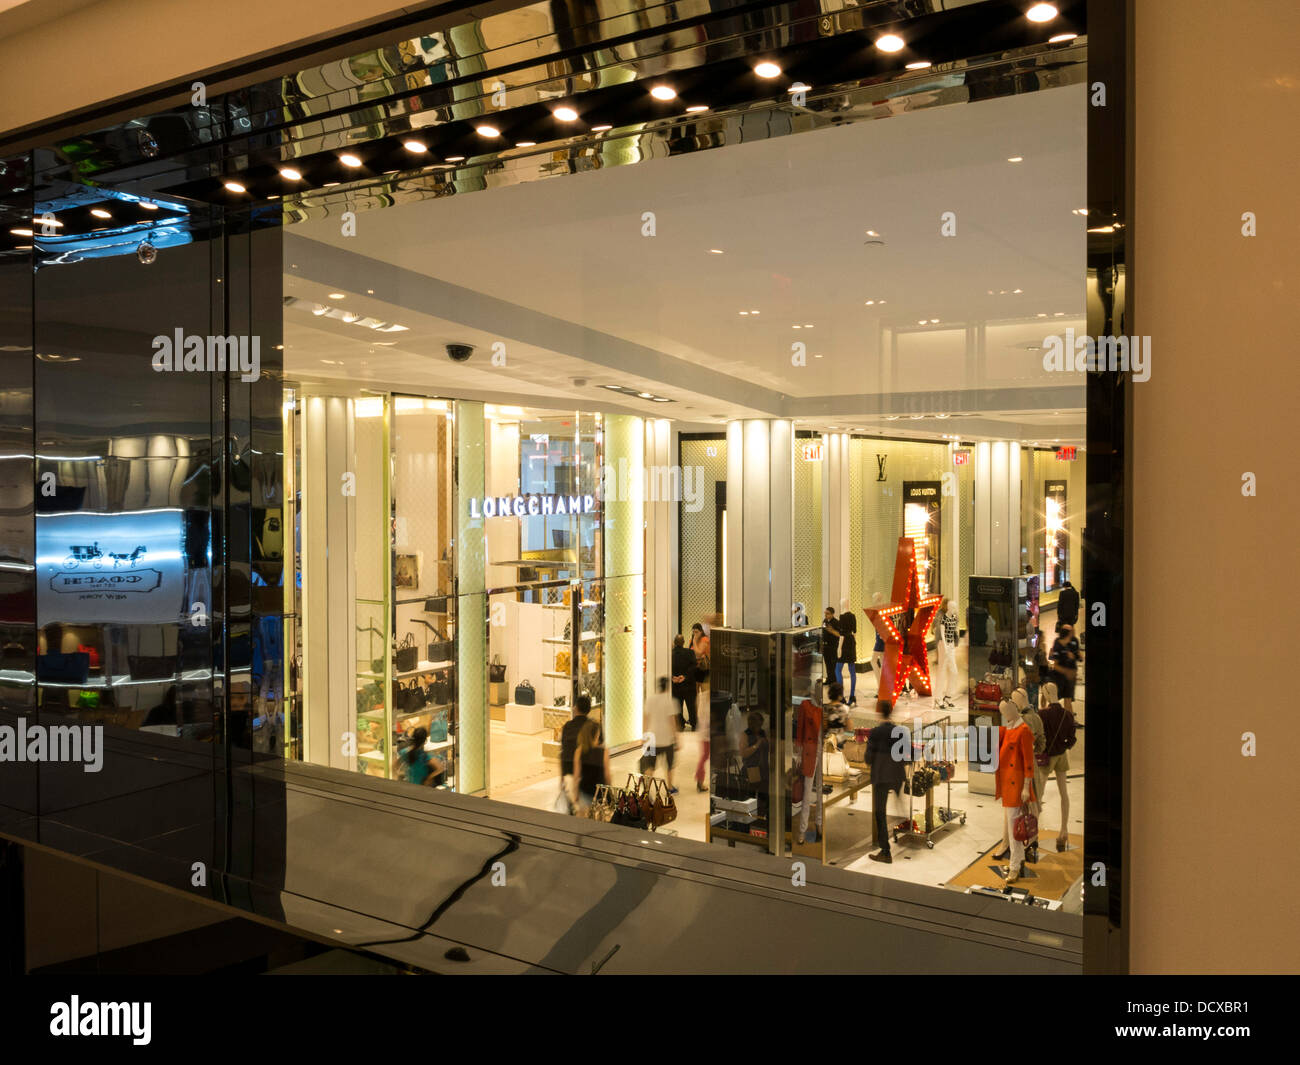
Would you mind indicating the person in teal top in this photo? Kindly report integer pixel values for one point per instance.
(421, 768)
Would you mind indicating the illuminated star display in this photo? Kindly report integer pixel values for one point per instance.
(905, 654)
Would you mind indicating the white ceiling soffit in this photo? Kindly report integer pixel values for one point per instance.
(562, 274)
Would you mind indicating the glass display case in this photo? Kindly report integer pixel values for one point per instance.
(758, 681)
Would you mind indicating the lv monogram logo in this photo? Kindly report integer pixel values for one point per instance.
(880, 467)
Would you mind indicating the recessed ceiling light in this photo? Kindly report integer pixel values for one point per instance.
(1016, 159)
(660, 399)
(1016, 291)
(234, 186)
(695, 109)
(290, 174)
(870, 302)
(99, 212)
(934, 321)
(526, 144)
(890, 42)
(348, 159)
(767, 70)
(417, 147)
(744, 312)
(796, 327)
(455, 158)
(920, 321)
(663, 92)
(565, 114)
(715, 251)
(1060, 38)
(753, 312)
(819, 356)
(1079, 210)
(872, 233)
(806, 325)
(1041, 13)
(601, 129)
(22, 232)
(1042, 314)
(920, 64)
(646, 395)
(487, 131)
(337, 296)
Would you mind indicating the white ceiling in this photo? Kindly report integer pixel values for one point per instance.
(560, 273)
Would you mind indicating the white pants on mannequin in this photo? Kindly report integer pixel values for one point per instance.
(946, 680)
(1017, 848)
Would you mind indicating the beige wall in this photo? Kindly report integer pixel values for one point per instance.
(1214, 864)
(105, 50)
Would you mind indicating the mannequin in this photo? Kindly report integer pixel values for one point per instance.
(1014, 781)
(1029, 713)
(1059, 725)
(878, 650)
(946, 679)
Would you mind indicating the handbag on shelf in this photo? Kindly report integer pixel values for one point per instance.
(524, 694)
(855, 751)
(440, 650)
(497, 670)
(438, 728)
(598, 654)
(440, 689)
(563, 660)
(586, 663)
(91, 652)
(1025, 826)
(407, 655)
(834, 763)
(602, 807)
(436, 605)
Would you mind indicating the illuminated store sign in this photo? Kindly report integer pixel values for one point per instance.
(127, 568)
(524, 506)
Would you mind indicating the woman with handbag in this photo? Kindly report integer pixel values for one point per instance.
(590, 765)
(1014, 786)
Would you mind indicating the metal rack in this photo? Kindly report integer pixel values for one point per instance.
(933, 822)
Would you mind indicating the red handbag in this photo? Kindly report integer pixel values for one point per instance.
(1025, 827)
(92, 652)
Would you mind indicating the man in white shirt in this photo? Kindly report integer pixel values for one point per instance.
(660, 732)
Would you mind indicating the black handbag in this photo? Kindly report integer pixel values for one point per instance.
(440, 650)
(497, 670)
(440, 690)
(410, 697)
(524, 694)
(436, 605)
(147, 667)
(407, 655)
(71, 668)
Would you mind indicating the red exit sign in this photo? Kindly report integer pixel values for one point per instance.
(1067, 454)
(812, 452)
(960, 458)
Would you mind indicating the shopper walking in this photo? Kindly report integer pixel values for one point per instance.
(1064, 657)
(568, 745)
(947, 681)
(1067, 607)
(1059, 726)
(422, 767)
(885, 743)
(684, 686)
(849, 654)
(660, 732)
(590, 764)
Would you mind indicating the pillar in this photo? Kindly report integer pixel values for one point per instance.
(760, 523)
(624, 537)
(997, 509)
(836, 573)
(471, 603)
(660, 546)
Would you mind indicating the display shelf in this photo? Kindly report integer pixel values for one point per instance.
(423, 710)
(569, 606)
(425, 667)
(586, 637)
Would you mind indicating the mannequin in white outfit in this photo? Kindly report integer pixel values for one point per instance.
(946, 679)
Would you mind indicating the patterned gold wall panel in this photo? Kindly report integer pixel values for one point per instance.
(807, 553)
(471, 604)
(698, 550)
(624, 537)
(965, 533)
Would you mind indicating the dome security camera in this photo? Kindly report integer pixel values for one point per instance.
(459, 352)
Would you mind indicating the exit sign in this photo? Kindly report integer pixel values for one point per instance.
(1066, 454)
(961, 458)
(812, 452)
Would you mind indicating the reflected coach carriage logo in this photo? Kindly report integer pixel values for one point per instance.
(95, 556)
(77, 575)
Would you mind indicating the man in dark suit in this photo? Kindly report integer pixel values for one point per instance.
(1067, 607)
(685, 689)
(889, 747)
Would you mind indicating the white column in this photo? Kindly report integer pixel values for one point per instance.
(835, 526)
(329, 592)
(997, 509)
(760, 523)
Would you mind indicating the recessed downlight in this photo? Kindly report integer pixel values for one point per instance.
(290, 174)
(1041, 13)
(415, 147)
(663, 92)
(890, 42)
(715, 251)
(1016, 159)
(348, 159)
(487, 131)
(565, 114)
(234, 186)
(337, 296)
(767, 69)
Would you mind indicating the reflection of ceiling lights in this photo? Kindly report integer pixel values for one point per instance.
(920, 64)
(526, 144)
(234, 186)
(348, 159)
(415, 147)
(337, 296)
(487, 131)
(99, 212)
(290, 174)
(21, 232)
(601, 129)
(663, 92)
(695, 109)
(1041, 13)
(1016, 159)
(348, 317)
(767, 70)
(1060, 38)
(565, 114)
(149, 206)
(890, 42)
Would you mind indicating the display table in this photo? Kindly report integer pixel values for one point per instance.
(525, 720)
